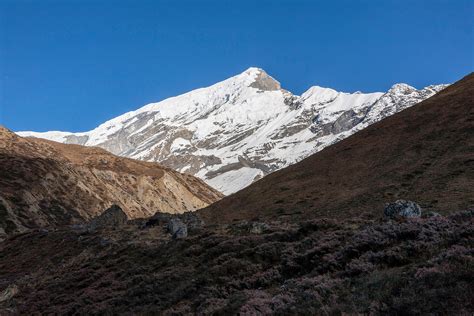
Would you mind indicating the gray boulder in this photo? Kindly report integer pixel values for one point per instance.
(177, 228)
(159, 219)
(112, 217)
(189, 219)
(192, 221)
(258, 228)
(8, 293)
(402, 209)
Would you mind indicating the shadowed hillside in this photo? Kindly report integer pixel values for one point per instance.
(319, 267)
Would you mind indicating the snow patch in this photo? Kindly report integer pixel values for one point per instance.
(232, 181)
(179, 144)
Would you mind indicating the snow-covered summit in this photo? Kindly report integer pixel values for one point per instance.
(240, 129)
(401, 88)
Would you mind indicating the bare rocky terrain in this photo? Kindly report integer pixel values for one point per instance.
(44, 183)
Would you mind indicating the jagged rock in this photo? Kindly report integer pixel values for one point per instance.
(245, 227)
(112, 217)
(190, 219)
(258, 228)
(8, 293)
(177, 228)
(402, 209)
(159, 219)
(264, 82)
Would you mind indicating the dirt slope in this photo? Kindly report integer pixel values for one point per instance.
(44, 183)
(424, 153)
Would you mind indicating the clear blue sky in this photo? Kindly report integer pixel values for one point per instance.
(71, 65)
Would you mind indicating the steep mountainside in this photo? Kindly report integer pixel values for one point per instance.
(238, 130)
(424, 153)
(45, 183)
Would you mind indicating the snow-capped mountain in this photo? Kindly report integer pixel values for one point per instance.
(239, 130)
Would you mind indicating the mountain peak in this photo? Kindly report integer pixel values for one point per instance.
(261, 80)
(317, 94)
(254, 70)
(401, 146)
(401, 88)
(205, 132)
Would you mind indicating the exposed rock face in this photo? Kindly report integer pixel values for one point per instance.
(258, 228)
(8, 293)
(264, 82)
(177, 228)
(172, 222)
(112, 217)
(46, 183)
(243, 128)
(402, 209)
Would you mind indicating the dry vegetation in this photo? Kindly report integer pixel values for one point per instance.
(419, 266)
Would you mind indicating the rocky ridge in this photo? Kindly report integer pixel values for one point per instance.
(237, 131)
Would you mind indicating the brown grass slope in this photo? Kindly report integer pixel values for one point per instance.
(46, 183)
(424, 153)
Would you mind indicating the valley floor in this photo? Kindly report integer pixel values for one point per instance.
(419, 266)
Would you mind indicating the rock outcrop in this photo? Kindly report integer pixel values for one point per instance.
(402, 209)
(113, 217)
(177, 225)
(177, 228)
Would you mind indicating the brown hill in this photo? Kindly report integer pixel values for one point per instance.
(424, 153)
(47, 183)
